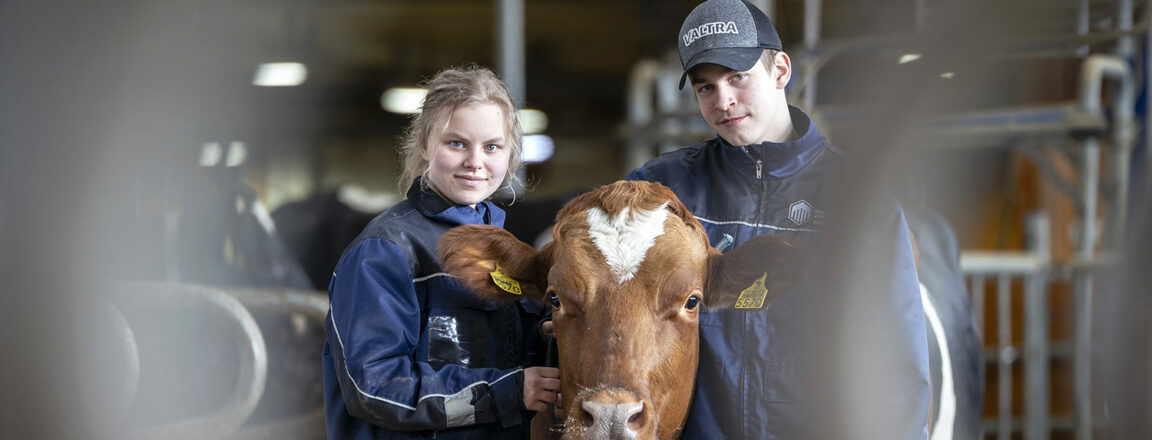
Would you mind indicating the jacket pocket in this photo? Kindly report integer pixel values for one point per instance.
(457, 325)
(456, 337)
(782, 383)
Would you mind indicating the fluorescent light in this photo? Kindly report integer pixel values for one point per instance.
(403, 100)
(280, 74)
(532, 121)
(210, 154)
(237, 152)
(537, 148)
(908, 58)
(947, 75)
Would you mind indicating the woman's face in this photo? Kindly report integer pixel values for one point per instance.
(469, 159)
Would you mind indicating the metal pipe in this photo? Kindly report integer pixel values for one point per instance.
(1094, 70)
(640, 91)
(919, 12)
(128, 350)
(641, 107)
(510, 19)
(1146, 173)
(1035, 359)
(767, 6)
(811, 39)
(1082, 27)
(1092, 74)
(1082, 361)
(1122, 128)
(978, 305)
(251, 353)
(1006, 354)
(1124, 23)
(1036, 334)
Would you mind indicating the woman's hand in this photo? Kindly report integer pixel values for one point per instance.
(547, 330)
(541, 387)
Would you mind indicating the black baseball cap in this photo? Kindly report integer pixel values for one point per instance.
(731, 33)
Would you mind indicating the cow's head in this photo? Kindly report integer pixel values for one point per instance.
(626, 275)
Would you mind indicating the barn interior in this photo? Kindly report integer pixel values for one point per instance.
(181, 176)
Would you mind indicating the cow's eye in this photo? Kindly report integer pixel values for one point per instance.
(692, 302)
(555, 300)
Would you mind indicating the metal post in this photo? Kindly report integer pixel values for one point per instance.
(1036, 333)
(978, 305)
(1082, 380)
(510, 19)
(641, 107)
(1006, 354)
(767, 6)
(1082, 27)
(919, 16)
(811, 39)
(1124, 45)
(1122, 133)
(1094, 70)
(1146, 173)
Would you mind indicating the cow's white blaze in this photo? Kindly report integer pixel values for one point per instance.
(625, 238)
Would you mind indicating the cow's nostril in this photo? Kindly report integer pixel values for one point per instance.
(615, 413)
(638, 419)
(586, 417)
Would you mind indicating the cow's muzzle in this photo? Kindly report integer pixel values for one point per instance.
(616, 414)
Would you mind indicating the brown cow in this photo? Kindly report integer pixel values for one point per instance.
(627, 274)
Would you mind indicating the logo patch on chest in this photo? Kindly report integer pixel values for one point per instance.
(800, 212)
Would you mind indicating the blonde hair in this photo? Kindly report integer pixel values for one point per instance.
(447, 91)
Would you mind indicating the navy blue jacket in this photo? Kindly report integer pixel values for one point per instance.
(409, 352)
(749, 383)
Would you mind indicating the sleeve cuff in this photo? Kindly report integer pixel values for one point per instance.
(509, 400)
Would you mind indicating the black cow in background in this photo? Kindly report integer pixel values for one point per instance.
(317, 229)
(956, 363)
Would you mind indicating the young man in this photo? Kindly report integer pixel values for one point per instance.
(769, 171)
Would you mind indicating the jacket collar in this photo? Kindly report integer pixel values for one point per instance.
(433, 206)
(778, 159)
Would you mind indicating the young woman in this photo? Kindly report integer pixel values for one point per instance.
(409, 352)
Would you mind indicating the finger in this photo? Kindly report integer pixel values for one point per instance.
(537, 406)
(549, 384)
(542, 396)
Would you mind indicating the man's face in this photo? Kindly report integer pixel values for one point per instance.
(743, 107)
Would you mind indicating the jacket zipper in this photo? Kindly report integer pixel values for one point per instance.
(759, 163)
(745, 330)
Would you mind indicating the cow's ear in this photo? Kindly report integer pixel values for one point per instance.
(755, 274)
(491, 262)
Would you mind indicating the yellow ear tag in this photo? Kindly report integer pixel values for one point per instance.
(753, 296)
(505, 282)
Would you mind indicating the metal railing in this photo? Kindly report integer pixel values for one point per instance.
(230, 311)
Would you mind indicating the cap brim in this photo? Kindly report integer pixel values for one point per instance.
(735, 58)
